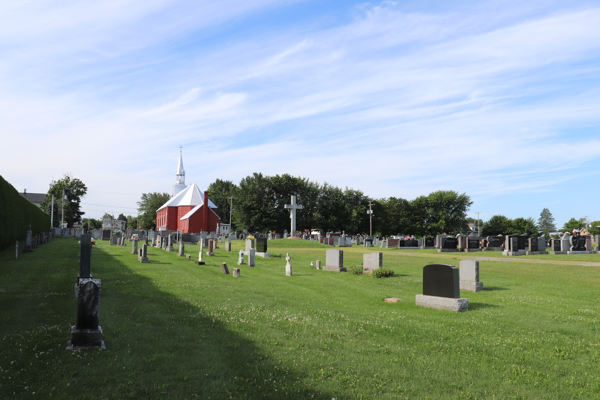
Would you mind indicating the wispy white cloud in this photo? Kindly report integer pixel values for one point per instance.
(395, 103)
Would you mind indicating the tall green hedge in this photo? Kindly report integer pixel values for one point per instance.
(16, 213)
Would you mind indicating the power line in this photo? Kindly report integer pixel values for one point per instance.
(104, 205)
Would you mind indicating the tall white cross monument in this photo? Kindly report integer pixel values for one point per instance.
(293, 207)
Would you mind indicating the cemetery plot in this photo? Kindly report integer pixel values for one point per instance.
(160, 318)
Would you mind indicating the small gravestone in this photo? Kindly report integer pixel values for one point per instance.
(249, 244)
(334, 260)
(188, 257)
(288, 265)
(144, 258)
(236, 272)
(536, 246)
(318, 264)
(17, 250)
(211, 247)
(368, 241)
(372, 261)
(124, 242)
(241, 258)
(28, 242)
(228, 245)
(429, 243)
(181, 248)
(441, 289)
(224, 268)
(134, 246)
(262, 248)
(495, 243)
(169, 243)
(200, 257)
(469, 276)
(86, 333)
(472, 244)
(140, 252)
(448, 244)
(252, 258)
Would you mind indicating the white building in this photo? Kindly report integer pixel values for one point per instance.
(113, 224)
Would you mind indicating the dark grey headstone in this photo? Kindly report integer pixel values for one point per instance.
(261, 245)
(533, 244)
(495, 241)
(472, 243)
(106, 234)
(441, 280)
(85, 258)
(556, 245)
(514, 243)
(448, 243)
(429, 242)
(88, 306)
(578, 243)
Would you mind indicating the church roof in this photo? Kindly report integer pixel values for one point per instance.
(190, 196)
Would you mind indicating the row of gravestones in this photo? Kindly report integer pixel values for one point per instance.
(32, 241)
(441, 282)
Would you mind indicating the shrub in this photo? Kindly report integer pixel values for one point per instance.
(383, 273)
(16, 214)
(357, 270)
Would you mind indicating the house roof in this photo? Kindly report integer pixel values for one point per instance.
(36, 198)
(190, 196)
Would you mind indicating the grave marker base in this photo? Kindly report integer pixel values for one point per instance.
(493, 249)
(335, 269)
(86, 339)
(558, 252)
(471, 286)
(263, 255)
(514, 253)
(427, 247)
(534, 253)
(580, 252)
(447, 250)
(200, 263)
(442, 303)
(471, 250)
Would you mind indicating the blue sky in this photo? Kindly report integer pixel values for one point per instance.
(498, 99)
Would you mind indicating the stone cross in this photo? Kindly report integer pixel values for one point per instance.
(292, 208)
(288, 265)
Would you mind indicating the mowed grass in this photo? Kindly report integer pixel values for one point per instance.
(175, 330)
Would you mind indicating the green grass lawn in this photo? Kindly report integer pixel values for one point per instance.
(175, 330)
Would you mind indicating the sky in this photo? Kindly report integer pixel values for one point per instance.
(499, 99)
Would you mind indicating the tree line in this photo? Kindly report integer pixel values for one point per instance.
(258, 205)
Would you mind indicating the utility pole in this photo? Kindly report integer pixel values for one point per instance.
(62, 222)
(52, 214)
(478, 222)
(370, 212)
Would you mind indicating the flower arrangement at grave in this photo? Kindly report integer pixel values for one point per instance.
(135, 236)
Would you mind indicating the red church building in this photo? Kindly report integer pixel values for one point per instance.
(189, 210)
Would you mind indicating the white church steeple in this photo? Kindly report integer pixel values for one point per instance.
(179, 174)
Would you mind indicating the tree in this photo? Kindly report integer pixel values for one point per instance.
(497, 225)
(594, 229)
(122, 217)
(107, 216)
(147, 206)
(447, 212)
(525, 226)
(219, 193)
(91, 223)
(546, 223)
(574, 224)
(132, 222)
(73, 189)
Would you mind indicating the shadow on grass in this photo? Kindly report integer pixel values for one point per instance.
(494, 288)
(168, 347)
(478, 306)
